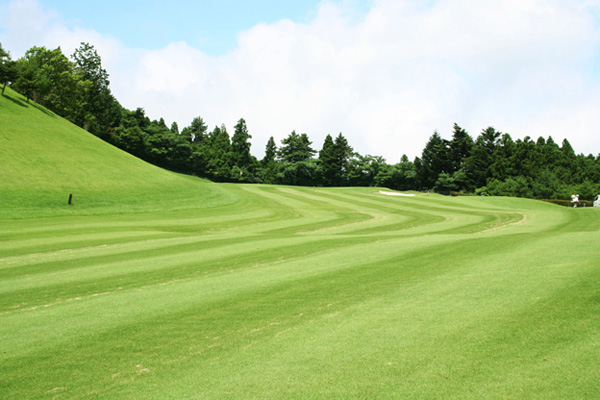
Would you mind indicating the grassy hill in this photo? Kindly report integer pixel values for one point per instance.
(159, 286)
(44, 158)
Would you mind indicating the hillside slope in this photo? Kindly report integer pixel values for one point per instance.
(44, 158)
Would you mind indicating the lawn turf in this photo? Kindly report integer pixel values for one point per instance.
(155, 285)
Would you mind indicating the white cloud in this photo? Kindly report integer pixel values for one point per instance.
(385, 79)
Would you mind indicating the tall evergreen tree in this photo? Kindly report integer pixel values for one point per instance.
(96, 109)
(526, 158)
(478, 163)
(240, 145)
(270, 152)
(175, 128)
(296, 148)
(435, 159)
(330, 171)
(298, 166)
(343, 154)
(197, 131)
(460, 147)
(567, 164)
(218, 154)
(268, 164)
(502, 165)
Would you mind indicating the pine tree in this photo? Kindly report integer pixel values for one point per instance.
(295, 148)
(268, 165)
(478, 164)
(175, 128)
(330, 170)
(218, 154)
(435, 160)
(196, 131)
(343, 154)
(96, 108)
(270, 152)
(240, 145)
(460, 147)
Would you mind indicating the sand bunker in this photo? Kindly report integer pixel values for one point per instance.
(396, 194)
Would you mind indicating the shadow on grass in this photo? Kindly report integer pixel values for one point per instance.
(21, 103)
(16, 101)
(42, 109)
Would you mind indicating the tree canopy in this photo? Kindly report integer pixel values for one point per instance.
(492, 163)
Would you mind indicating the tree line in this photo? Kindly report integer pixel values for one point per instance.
(77, 88)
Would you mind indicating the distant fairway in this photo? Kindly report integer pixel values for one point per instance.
(155, 285)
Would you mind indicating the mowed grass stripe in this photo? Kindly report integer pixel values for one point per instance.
(533, 215)
(165, 296)
(322, 216)
(141, 267)
(380, 217)
(420, 220)
(55, 229)
(294, 269)
(387, 332)
(335, 295)
(102, 268)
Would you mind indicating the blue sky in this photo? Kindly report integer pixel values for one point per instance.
(385, 73)
(210, 25)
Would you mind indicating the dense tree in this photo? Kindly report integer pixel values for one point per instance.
(32, 79)
(330, 173)
(25, 82)
(196, 132)
(566, 165)
(270, 152)
(88, 65)
(268, 165)
(175, 128)
(303, 173)
(460, 148)
(334, 160)
(546, 185)
(240, 146)
(526, 158)
(445, 183)
(133, 140)
(217, 150)
(295, 148)
(517, 187)
(435, 160)
(401, 176)
(343, 154)
(364, 169)
(478, 163)
(297, 164)
(503, 165)
(492, 164)
(97, 110)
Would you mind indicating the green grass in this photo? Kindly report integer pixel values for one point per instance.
(44, 158)
(160, 286)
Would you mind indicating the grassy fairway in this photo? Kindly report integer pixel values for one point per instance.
(158, 286)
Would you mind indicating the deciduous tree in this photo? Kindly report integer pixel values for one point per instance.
(8, 69)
